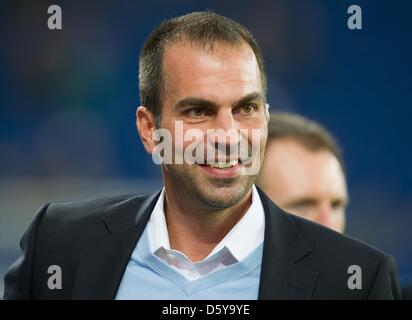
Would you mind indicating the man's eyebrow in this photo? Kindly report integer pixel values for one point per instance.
(344, 200)
(200, 102)
(250, 97)
(299, 201)
(195, 102)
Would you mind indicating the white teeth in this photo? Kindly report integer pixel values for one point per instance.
(223, 165)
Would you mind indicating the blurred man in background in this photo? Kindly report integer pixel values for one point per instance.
(303, 170)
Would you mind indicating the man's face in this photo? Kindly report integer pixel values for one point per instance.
(216, 89)
(306, 183)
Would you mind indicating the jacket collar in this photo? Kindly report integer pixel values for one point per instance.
(282, 274)
(106, 253)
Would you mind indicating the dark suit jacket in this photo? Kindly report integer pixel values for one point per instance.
(92, 242)
(407, 292)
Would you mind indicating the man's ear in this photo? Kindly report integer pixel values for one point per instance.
(267, 111)
(146, 125)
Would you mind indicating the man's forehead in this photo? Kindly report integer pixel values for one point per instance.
(217, 48)
(187, 62)
(295, 164)
(296, 152)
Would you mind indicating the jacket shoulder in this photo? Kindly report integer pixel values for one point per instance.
(337, 257)
(72, 221)
(88, 209)
(326, 240)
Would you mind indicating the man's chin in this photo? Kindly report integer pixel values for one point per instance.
(223, 196)
(215, 192)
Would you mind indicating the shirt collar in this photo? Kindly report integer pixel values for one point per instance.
(241, 240)
(248, 233)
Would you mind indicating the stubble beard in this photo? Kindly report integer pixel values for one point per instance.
(208, 194)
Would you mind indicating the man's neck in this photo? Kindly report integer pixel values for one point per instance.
(195, 230)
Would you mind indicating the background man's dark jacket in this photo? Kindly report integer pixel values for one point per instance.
(407, 292)
(91, 241)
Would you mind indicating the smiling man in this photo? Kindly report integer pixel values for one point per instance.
(209, 233)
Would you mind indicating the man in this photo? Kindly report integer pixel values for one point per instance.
(303, 171)
(209, 233)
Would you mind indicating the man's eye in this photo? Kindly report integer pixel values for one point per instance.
(196, 112)
(247, 109)
(300, 206)
(337, 204)
(303, 206)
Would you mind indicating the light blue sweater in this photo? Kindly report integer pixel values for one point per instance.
(148, 277)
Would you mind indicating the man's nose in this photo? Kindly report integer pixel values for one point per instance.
(224, 119)
(225, 137)
(324, 215)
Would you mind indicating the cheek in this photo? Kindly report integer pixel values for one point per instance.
(189, 136)
(178, 133)
(256, 129)
(339, 216)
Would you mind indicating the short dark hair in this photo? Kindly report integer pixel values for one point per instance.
(199, 28)
(311, 135)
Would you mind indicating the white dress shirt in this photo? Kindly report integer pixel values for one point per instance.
(238, 243)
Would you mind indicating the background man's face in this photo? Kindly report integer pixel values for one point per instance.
(215, 89)
(306, 183)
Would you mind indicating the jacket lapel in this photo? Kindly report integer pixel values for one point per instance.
(284, 248)
(106, 253)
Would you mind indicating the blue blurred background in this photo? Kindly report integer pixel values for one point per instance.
(68, 99)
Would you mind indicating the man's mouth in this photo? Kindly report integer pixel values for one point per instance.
(223, 165)
(222, 170)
